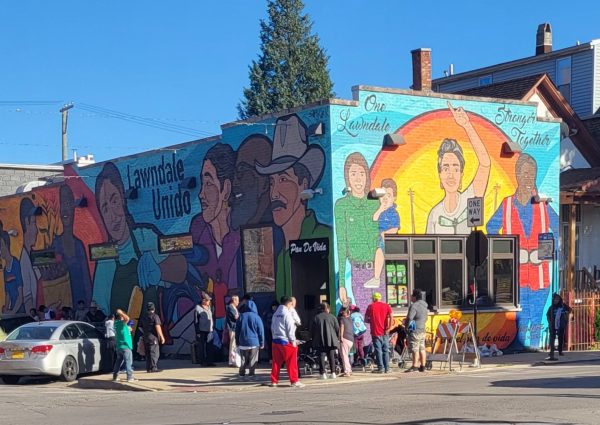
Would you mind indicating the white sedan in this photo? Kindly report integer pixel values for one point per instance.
(56, 348)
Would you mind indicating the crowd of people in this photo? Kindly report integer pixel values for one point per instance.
(91, 314)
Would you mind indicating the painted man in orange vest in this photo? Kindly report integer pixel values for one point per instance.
(518, 215)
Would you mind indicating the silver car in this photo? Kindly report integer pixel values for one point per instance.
(57, 348)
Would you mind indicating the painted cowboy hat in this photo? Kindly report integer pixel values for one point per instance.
(290, 147)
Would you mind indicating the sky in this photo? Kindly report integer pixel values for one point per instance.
(185, 63)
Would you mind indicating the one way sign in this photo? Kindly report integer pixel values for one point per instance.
(475, 212)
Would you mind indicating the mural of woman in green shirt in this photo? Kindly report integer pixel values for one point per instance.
(356, 232)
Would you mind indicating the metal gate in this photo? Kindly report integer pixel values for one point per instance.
(584, 327)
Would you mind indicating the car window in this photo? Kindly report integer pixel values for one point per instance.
(89, 332)
(71, 332)
(31, 333)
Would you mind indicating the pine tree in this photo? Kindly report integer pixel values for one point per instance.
(291, 69)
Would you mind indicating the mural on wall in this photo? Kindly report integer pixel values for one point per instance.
(166, 226)
(450, 151)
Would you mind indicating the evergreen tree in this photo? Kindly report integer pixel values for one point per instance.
(291, 69)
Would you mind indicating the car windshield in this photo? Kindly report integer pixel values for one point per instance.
(31, 332)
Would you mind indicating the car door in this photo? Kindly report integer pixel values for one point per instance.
(73, 344)
(92, 347)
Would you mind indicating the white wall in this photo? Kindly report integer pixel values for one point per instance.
(570, 156)
(589, 254)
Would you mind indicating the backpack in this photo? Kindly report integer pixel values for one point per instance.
(358, 324)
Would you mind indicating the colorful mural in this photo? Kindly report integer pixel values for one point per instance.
(451, 150)
(129, 243)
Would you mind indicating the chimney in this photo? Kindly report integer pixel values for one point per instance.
(543, 39)
(421, 65)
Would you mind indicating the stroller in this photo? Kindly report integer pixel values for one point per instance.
(308, 359)
(396, 346)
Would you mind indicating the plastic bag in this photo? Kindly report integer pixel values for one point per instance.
(215, 340)
(237, 357)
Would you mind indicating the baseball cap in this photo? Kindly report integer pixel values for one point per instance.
(150, 306)
(376, 296)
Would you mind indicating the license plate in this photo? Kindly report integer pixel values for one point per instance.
(17, 355)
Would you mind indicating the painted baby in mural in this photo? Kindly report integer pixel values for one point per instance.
(518, 215)
(449, 216)
(388, 220)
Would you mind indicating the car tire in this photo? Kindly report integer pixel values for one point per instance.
(10, 379)
(69, 370)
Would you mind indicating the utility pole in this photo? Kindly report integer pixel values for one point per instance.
(65, 115)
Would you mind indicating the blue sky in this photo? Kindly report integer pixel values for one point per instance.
(186, 62)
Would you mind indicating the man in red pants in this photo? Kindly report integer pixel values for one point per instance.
(285, 347)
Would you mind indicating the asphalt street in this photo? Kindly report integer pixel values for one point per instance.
(552, 394)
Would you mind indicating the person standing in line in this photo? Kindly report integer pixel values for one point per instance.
(249, 337)
(379, 316)
(346, 339)
(110, 334)
(285, 346)
(124, 346)
(295, 316)
(416, 319)
(153, 338)
(360, 329)
(231, 318)
(558, 318)
(95, 315)
(81, 311)
(325, 333)
(268, 321)
(203, 323)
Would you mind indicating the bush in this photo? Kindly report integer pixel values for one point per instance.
(597, 325)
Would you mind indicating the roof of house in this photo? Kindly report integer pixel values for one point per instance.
(593, 126)
(519, 62)
(512, 89)
(579, 179)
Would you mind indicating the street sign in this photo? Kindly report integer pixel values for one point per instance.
(477, 248)
(475, 212)
(545, 246)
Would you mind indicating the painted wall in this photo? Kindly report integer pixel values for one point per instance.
(452, 152)
(250, 178)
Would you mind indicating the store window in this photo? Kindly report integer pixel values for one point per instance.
(438, 266)
(259, 267)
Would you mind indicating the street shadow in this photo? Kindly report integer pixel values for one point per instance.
(574, 382)
(543, 395)
(434, 421)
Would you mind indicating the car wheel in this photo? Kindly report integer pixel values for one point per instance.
(70, 370)
(10, 379)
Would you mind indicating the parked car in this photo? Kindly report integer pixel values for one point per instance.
(62, 348)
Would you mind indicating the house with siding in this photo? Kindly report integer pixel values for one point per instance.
(574, 70)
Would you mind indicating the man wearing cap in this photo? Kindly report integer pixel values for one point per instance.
(153, 336)
(295, 166)
(203, 324)
(379, 316)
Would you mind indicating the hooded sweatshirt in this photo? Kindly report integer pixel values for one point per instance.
(283, 327)
(249, 329)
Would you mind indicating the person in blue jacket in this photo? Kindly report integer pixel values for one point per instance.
(249, 337)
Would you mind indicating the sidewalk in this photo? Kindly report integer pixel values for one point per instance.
(183, 376)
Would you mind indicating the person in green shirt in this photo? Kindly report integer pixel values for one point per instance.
(356, 232)
(123, 345)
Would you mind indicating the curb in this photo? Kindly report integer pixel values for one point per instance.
(97, 384)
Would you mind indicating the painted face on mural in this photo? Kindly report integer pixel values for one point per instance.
(358, 179)
(246, 193)
(30, 233)
(213, 197)
(67, 208)
(389, 198)
(285, 195)
(526, 177)
(113, 212)
(450, 172)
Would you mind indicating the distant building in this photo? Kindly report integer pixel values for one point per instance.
(574, 70)
(17, 178)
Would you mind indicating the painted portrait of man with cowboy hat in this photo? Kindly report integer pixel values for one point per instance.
(295, 166)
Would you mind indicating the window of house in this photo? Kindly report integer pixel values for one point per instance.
(503, 271)
(452, 272)
(563, 77)
(486, 80)
(425, 265)
(396, 271)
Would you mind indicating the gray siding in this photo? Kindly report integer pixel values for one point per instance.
(582, 84)
(459, 85)
(596, 94)
(12, 178)
(542, 67)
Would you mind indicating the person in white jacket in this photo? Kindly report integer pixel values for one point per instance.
(285, 346)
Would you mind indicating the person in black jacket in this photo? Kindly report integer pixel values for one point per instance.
(558, 317)
(325, 338)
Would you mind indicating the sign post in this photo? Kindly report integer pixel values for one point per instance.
(476, 249)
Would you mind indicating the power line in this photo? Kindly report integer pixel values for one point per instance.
(150, 122)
